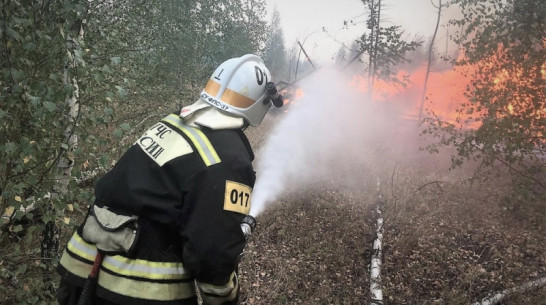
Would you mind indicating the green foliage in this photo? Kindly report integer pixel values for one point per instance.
(131, 62)
(32, 95)
(22, 268)
(503, 45)
(388, 50)
(384, 46)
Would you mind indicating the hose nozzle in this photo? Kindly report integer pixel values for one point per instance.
(248, 225)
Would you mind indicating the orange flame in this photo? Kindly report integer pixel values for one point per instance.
(445, 92)
(291, 96)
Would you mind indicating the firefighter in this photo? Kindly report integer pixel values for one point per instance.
(168, 215)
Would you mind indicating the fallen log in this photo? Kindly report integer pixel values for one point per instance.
(496, 298)
(375, 266)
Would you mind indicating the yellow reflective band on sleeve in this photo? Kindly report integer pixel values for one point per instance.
(220, 290)
(217, 295)
(199, 139)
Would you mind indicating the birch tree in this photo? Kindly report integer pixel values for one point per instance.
(70, 106)
(65, 163)
(384, 46)
(430, 54)
(37, 93)
(503, 45)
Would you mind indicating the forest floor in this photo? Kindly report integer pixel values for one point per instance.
(446, 240)
(448, 243)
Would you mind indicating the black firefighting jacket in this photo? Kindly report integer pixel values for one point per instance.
(190, 189)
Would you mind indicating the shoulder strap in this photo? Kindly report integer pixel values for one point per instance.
(198, 138)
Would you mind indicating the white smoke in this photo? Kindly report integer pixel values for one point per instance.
(331, 134)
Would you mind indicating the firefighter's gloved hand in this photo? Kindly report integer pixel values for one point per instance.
(248, 225)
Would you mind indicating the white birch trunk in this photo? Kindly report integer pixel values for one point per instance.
(63, 173)
(429, 62)
(66, 162)
(499, 297)
(375, 266)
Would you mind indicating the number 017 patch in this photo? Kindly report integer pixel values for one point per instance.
(237, 197)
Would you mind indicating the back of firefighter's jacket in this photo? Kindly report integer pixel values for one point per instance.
(190, 189)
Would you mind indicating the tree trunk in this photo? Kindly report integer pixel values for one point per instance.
(429, 62)
(370, 55)
(63, 173)
(376, 46)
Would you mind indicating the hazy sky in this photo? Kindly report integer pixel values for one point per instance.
(303, 19)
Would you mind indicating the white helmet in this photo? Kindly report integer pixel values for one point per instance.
(238, 86)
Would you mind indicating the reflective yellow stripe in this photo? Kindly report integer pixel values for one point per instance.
(75, 266)
(146, 290)
(145, 269)
(117, 268)
(199, 139)
(81, 248)
(218, 294)
(129, 267)
(131, 287)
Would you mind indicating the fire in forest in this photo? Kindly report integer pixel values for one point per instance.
(331, 133)
(334, 131)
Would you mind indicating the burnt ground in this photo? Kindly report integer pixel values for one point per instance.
(445, 242)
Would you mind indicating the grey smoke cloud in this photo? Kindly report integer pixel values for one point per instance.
(332, 134)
